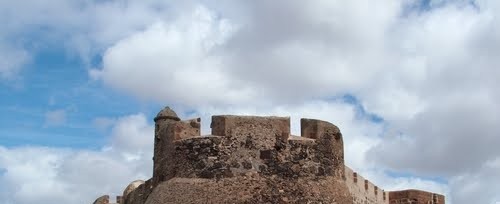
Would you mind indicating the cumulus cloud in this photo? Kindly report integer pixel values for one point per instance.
(176, 54)
(84, 28)
(457, 98)
(132, 134)
(61, 175)
(484, 181)
(297, 54)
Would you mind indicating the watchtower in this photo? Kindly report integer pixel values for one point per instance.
(168, 129)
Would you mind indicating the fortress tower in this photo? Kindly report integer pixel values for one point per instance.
(250, 159)
(168, 129)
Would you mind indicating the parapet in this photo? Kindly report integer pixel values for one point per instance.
(241, 144)
(362, 190)
(237, 126)
(415, 197)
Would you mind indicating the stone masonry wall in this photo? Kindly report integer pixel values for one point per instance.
(247, 145)
(415, 197)
(240, 144)
(363, 191)
(250, 159)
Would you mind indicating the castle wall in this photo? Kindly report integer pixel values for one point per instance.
(415, 197)
(363, 191)
(243, 145)
(239, 144)
(250, 159)
(250, 189)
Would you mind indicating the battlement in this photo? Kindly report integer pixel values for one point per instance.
(413, 196)
(364, 190)
(255, 159)
(242, 144)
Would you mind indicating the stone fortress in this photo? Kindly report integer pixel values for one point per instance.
(250, 159)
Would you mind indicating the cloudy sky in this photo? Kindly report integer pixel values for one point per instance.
(412, 84)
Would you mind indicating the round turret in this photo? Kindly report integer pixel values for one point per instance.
(102, 200)
(167, 113)
(131, 187)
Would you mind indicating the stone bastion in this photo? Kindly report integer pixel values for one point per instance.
(252, 159)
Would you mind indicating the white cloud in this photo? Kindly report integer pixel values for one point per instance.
(484, 182)
(252, 59)
(85, 28)
(59, 175)
(177, 55)
(128, 135)
(12, 59)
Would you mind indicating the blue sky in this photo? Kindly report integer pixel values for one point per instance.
(55, 81)
(407, 82)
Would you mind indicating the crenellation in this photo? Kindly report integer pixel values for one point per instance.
(268, 135)
(236, 126)
(362, 191)
(186, 129)
(249, 143)
(253, 159)
(412, 196)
